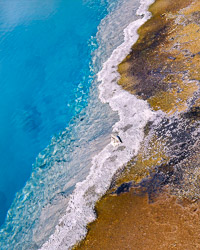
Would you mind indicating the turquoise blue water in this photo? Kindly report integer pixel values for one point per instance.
(52, 122)
(44, 79)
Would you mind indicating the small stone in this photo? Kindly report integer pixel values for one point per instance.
(172, 57)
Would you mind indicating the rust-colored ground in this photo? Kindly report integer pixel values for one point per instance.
(129, 221)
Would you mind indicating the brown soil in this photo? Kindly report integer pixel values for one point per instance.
(129, 221)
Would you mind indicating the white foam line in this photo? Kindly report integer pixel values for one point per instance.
(134, 115)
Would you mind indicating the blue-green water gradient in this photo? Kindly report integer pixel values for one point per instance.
(44, 70)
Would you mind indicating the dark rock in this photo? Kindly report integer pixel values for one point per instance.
(123, 188)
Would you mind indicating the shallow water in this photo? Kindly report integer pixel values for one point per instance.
(133, 116)
(44, 76)
(38, 207)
